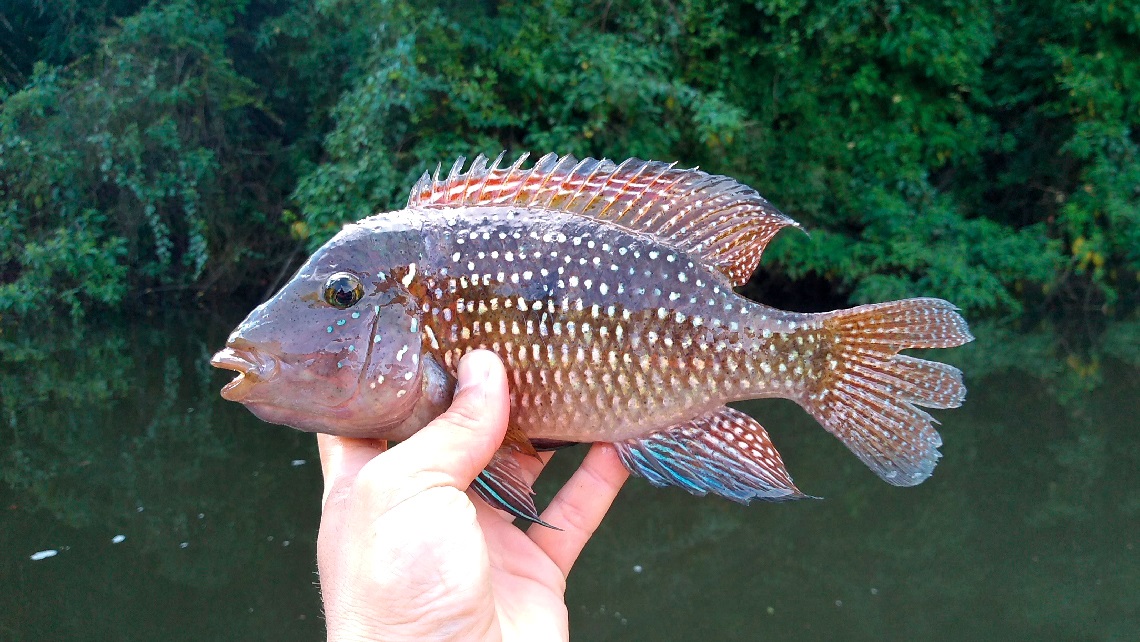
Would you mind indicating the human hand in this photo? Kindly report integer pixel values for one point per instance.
(405, 554)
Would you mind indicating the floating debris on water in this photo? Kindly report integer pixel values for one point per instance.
(118, 539)
(43, 555)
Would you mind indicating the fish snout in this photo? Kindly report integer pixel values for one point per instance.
(251, 365)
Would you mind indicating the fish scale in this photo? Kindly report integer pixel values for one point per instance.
(606, 289)
(602, 335)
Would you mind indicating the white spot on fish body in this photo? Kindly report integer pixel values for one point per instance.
(407, 280)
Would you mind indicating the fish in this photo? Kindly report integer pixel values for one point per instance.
(607, 291)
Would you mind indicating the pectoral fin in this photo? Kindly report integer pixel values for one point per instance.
(501, 485)
(724, 452)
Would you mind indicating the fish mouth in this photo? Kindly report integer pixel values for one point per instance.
(252, 367)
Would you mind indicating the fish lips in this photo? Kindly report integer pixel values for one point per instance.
(251, 365)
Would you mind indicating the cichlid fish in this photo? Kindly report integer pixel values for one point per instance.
(607, 291)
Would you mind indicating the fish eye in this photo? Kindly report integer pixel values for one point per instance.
(343, 290)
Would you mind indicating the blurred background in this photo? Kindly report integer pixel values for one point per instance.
(165, 166)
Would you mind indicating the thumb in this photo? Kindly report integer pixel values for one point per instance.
(457, 445)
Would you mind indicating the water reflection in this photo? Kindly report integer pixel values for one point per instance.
(1027, 530)
(117, 430)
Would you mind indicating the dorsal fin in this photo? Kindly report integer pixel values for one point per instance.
(722, 222)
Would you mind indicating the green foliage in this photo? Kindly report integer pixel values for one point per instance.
(983, 151)
(69, 267)
(120, 170)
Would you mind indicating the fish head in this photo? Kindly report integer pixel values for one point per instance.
(338, 349)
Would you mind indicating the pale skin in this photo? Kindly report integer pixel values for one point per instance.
(404, 553)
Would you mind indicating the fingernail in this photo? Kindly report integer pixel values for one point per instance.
(473, 373)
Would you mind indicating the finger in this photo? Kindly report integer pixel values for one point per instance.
(343, 457)
(456, 446)
(580, 506)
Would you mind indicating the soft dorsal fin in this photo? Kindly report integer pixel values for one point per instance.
(714, 218)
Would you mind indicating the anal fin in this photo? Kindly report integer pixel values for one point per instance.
(724, 452)
(501, 485)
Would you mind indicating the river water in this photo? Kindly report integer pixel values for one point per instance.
(175, 515)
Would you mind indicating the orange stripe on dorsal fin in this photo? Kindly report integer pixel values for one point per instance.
(725, 224)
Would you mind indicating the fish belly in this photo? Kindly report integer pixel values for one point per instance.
(605, 334)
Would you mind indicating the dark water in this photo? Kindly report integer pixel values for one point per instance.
(1030, 528)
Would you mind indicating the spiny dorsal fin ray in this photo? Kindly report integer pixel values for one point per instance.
(724, 223)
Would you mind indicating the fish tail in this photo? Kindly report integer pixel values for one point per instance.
(869, 395)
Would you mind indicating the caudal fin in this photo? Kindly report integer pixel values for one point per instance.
(870, 395)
